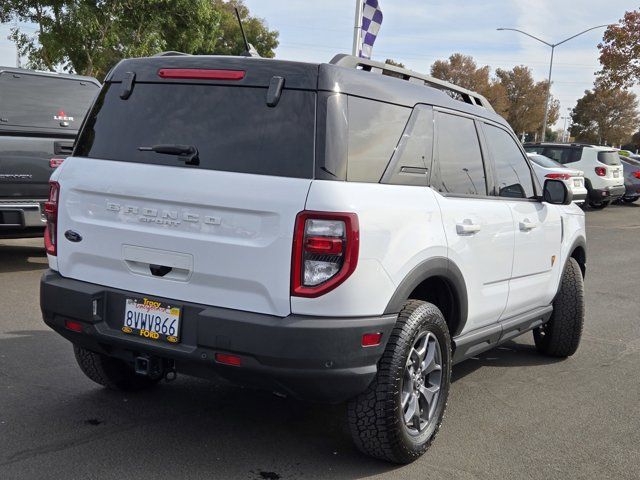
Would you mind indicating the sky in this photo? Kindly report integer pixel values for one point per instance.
(419, 32)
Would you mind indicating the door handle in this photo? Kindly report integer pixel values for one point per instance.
(467, 227)
(526, 225)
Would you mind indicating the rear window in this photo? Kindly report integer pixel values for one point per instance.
(609, 158)
(232, 127)
(545, 162)
(40, 101)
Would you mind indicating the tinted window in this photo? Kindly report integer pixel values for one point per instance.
(374, 131)
(513, 175)
(631, 161)
(411, 160)
(232, 127)
(458, 167)
(545, 162)
(562, 154)
(533, 149)
(44, 101)
(609, 158)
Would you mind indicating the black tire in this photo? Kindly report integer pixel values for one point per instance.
(560, 336)
(630, 200)
(599, 205)
(376, 416)
(111, 372)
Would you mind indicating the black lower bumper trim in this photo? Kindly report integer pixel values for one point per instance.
(311, 358)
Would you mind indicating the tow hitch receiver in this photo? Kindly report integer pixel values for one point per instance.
(151, 367)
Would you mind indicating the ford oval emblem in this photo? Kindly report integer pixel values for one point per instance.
(73, 236)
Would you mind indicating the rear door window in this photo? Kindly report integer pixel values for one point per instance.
(458, 167)
(513, 175)
(42, 101)
(232, 127)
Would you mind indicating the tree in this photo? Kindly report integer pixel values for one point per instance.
(605, 116)
(392, 62)
(463, 71)
(89, 37)
(228, 39)
(526, 100)
(620, 52)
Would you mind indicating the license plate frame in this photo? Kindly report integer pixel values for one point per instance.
(152, 319)
(616, 174)
(577, 182)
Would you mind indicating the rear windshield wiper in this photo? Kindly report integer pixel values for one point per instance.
(188, 153)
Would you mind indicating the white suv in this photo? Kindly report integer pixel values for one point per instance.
(323, 231)
(602, 168)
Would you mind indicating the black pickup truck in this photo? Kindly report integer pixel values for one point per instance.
(40, 114)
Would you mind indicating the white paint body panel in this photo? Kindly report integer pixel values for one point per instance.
(231, 247)
(485, 257)
(400, 226)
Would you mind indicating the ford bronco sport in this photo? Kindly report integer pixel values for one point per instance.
(40, 114)
(323, 231)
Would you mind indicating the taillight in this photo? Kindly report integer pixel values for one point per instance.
(51, 214)
(325, 252)
(55, 162)
(636, 174)
(201, 74)
(558, 176)
(601, 171)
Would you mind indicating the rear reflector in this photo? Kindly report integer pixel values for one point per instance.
(227, 359)
(371, 339)
(201, 74)
(73, 326)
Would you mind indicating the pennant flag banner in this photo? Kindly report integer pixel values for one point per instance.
(371, 21)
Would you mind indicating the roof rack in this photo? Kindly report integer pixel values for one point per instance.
(454, 91)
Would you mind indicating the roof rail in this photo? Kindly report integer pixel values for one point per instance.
(454, 91)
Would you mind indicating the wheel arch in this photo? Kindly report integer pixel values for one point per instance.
(438, 281)
(578, 251)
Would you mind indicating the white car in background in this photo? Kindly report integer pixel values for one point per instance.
(546, 168)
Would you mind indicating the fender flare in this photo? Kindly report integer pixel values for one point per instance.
(579, 241)
(434, 267)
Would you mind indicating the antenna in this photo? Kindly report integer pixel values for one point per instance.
(247, 45)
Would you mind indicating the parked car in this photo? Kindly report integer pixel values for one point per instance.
(290, 226)
(40, 114)
(546, 168)
(602, 169)
(631, 179)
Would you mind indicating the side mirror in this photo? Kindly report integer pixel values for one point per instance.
(556, 193)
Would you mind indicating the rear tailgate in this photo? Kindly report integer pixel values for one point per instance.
(226, 236)
(25, 165)
(218, 233)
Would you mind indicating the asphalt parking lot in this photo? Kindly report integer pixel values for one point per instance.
(512, 413)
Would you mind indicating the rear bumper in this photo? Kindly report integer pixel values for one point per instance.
(607, 193)
(310, 358)
(21, 218)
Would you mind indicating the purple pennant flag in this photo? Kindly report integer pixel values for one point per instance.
(371, 21)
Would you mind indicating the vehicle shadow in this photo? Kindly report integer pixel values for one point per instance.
(21, 258)
(509, 354)
(214, 430)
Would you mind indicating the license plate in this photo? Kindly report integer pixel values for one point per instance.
(616, 174)
(151, 319)
(577, 182)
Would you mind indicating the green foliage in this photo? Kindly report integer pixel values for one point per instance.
(605, 116)
(229, 39)
(90, 37)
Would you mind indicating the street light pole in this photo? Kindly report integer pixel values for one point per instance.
(553, 47)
